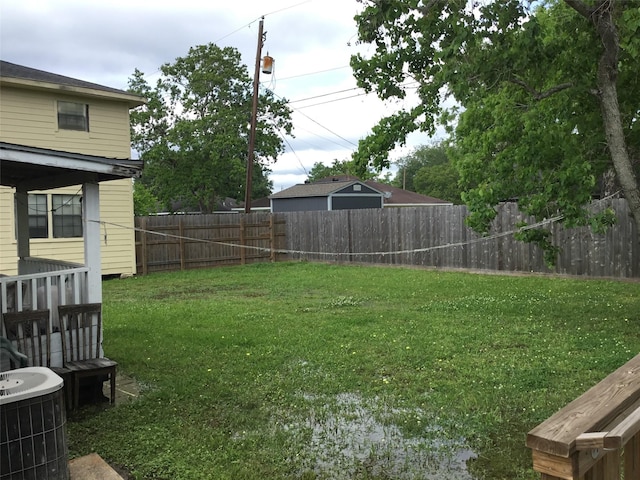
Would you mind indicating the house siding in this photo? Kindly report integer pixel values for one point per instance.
(29, 117)
(8, 264)
(117, 254)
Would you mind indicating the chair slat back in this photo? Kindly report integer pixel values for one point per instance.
(81, 326)
(31, 332)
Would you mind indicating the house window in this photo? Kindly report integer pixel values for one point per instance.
(38, 216)
(73, 116)
(67, 216)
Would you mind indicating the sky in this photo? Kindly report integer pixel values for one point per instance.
(311, 42)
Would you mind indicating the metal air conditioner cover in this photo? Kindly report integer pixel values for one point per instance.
(33, 442)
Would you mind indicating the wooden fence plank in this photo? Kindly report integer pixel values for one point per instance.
(632, 458)
(441, 229)
(428, 236)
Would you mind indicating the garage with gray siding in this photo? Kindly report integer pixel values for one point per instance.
(327, 195)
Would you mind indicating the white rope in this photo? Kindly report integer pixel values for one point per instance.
(352, 254)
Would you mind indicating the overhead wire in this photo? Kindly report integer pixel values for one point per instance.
(314, 73)
(318, 123)
(323, 95)
(291, 149)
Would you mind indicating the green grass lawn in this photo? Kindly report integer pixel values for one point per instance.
(312, 371)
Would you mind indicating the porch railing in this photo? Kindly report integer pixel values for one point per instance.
(29, 265)
(45, 290)
(597, 436)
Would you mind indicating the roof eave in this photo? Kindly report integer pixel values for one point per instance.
(131, 99)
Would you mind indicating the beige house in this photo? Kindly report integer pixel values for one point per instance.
(66, 204)
(48, 111)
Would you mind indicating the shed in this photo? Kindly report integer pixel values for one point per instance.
(329, 195)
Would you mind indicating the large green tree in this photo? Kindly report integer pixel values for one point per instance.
(320, 171)
(548, 91)
(429, 170)
(193, 132)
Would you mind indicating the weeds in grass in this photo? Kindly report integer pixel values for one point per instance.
(297, 370)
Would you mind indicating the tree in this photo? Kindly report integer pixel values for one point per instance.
(144, 202)
(338, 167)
(421, 156)
(320, 170)
(193, 133)
(440, 181)
(429, 171)
(548, 91)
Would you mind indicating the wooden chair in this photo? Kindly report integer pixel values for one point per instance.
(81, 327)
(11, 357)
(30, 331)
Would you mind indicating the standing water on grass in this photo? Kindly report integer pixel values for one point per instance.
(351, 437)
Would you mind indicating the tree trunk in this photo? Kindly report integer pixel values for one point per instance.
(607, 78)
(617, 146)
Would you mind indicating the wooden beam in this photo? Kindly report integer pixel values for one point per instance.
(625, 431)
(590, 441)
(591, 412)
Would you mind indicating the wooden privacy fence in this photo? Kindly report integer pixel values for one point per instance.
(434, 236)
(180, 242)
(595, 437)
(437, 236)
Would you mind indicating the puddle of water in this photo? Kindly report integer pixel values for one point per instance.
(350, 436)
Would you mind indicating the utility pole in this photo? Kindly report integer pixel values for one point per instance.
(254, 114)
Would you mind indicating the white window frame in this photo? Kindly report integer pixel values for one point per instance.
(72, 116)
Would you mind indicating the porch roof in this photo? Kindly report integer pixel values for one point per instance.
(33, 168)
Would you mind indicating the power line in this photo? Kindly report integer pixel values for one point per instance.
(318, 123)
(319, 136)
(327, 129)
(406, 85)
(292, 150)
(323, 95)
(262, 16)
(334, 100)
(314, 73)
(287, 8)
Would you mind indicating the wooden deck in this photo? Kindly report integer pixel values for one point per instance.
(585, 438)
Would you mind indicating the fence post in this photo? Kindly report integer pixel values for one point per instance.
(272, 238)
(181, 240)
(143, 245)
(243, 257)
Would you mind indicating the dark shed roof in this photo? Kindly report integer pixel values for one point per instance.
(398, 196)
(313, 189)
(392, 195)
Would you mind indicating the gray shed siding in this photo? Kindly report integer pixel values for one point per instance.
(355, 202)
(357, 189)
(298, 204)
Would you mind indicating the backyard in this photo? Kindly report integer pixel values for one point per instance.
(316, 371)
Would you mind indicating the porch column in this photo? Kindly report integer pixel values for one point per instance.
(22, 222)
(91, 229)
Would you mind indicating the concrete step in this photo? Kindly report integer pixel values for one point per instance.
(91, 467)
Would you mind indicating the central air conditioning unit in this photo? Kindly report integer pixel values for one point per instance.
(33, 441)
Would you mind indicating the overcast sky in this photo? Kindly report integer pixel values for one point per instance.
(311, 42)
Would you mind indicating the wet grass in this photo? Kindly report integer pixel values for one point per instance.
(312, 371)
